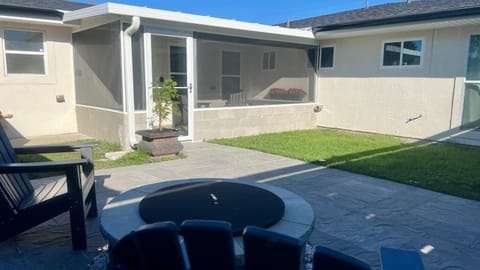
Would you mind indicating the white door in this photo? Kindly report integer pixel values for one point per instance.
(170, 55)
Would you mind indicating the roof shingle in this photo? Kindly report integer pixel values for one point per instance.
(44, 4)
(414, 10)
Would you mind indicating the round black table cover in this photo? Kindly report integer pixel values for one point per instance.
(239, 204)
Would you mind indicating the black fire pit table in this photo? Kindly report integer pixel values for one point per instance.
(240, 203)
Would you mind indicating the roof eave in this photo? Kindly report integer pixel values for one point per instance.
(396, 28)
(193, 22)
(32, 15)
(30, 10)
(451, 14)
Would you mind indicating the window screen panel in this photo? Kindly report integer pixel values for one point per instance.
(98, 67)
(239, 64)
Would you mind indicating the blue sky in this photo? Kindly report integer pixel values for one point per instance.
(259, 11)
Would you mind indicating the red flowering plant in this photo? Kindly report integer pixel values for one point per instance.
(290, 94)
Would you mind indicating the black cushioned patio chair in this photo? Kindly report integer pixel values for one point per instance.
(209, 244)
(265, 249)
(22, 206)
(150, 247)
(328, 259)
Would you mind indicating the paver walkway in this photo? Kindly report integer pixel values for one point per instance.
(355, 214)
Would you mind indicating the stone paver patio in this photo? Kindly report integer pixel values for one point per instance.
(354, 214)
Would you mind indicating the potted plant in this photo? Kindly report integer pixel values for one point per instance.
(162, 141)
(165, 97)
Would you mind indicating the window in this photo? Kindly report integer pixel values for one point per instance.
(402, 53)
(178, 65)
(473, 64)
(471, 97)
(327, 57)
(230, 73)
(24, 52)
(269, 60)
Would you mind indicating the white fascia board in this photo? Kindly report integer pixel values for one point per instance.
(32, 20)
(188, 19)
(404, 27)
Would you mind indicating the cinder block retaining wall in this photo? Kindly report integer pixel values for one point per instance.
(244, 121)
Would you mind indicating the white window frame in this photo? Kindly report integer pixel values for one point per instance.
(320, 56)
(402, 41)
(43, 53)
(466, 81)
(269, 55)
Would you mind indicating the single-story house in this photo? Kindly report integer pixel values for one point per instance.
(408, 69)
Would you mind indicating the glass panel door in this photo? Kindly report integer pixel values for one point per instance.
(169, 58)
(471, 98)
(230, 74)
(178, 72)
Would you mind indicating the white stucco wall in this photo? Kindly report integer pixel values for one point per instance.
(108, 125)
(32, 98)
(421, 102)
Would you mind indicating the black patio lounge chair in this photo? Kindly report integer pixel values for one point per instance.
(265, 249)
(150, 247)
(209, 244)
(22, 206)
(328, 259)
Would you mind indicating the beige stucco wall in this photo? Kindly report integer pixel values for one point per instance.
(108, 125)
(244, 121)
(32, 98)
(419, 102)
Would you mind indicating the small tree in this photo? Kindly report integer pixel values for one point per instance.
(165, 97)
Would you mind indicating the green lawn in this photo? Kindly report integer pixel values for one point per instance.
(133, 158)
(444, 167)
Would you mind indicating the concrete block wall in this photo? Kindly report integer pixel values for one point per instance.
(245, 121)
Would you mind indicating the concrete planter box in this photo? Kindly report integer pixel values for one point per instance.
(160, 143)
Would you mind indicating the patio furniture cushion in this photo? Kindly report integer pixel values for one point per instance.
(265, 249)
(209, 244)
(329, 259)
(153, 246)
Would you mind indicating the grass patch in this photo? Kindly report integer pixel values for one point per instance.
(136, 157)
(444, 167)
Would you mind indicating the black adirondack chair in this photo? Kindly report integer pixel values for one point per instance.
(265, 249)
(22, 206)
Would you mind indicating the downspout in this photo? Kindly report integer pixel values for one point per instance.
(127, 51)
